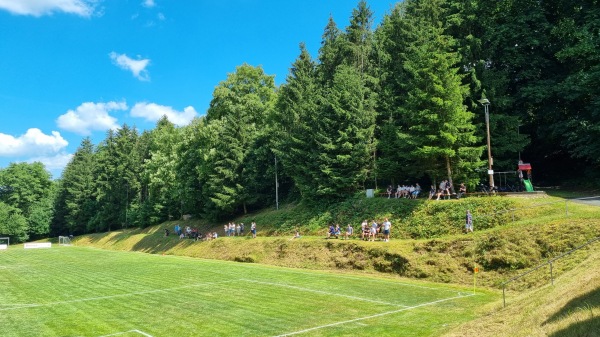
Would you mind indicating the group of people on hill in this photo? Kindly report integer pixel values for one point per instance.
(190, 233)
(404, 191)
(445, 191)
(368, 232)
(230, 229)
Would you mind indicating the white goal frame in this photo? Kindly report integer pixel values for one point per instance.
(64, 241)
(4, 245)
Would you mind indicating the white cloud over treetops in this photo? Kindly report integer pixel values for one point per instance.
(39, 8)
(55, 163)
(34, 141)
(137, 67)
(153, 112)
(90, 117)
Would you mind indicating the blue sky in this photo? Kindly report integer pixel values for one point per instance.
(76, 68)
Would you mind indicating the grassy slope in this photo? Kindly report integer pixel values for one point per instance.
(502, 251)
(504, 248)
(570, 307)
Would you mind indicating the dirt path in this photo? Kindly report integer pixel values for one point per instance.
(593, 201)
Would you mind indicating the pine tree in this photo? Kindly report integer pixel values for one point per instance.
(440, 131)
(118, 179)
(297, 105)
(240, 107)
(343, 133)
(76, 193)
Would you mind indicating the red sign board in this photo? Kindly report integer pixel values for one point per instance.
(524, 167)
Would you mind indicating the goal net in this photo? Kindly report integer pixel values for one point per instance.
(4, 243)
(64, 241)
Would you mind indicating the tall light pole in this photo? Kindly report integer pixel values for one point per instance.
(519, 138)
(486, 105)
(276, 186)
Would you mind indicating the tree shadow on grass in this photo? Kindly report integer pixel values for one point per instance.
(586, 328)
(582, 302)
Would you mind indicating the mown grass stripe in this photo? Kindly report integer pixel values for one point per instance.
(324, 292)
(370, 317)
(136, 293)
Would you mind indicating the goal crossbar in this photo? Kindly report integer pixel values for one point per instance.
(64, 241)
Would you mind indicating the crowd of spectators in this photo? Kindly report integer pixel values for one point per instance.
(445, 191)
(404, 191)
(191, 233)
(367, 232)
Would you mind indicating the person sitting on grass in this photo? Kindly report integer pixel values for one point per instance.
(364, 230)
(415, 193)
(296, 234)
(333, 231)
(349, 231)
(462, 190)
(431, 192)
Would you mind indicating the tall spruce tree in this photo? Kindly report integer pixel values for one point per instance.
(297, 105)
(575, 123)
(391, 42)
(241, 104)
(118, 179)
(330, 53)
(76, 203)
(440, 136)
(343, 131)
(164, 194)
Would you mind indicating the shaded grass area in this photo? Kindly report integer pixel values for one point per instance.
(75, 291)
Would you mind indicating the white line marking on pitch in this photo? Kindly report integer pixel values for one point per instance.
(325, 293)
(124, 332)
(372, 316)
(35, 305)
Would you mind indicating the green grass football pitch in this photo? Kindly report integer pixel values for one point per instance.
(77, 291)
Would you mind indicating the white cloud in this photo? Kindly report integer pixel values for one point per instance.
(38, 8)
(53, 163)
(34, 141)
(153, 112)
(137, 67)
(148, 3)
(90, 116)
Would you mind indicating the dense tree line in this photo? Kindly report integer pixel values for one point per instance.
(377, 105)
(26, 201)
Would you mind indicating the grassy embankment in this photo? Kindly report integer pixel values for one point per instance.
(512, 235)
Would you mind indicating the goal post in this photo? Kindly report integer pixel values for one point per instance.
(64, 241)
(4, 242)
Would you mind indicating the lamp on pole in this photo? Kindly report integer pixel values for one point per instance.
(486, 104)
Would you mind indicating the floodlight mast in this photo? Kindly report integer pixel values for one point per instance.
(486, 103)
